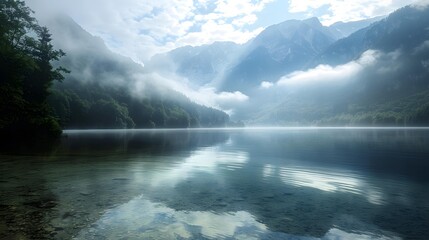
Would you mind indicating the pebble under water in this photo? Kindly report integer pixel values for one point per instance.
(281, 183)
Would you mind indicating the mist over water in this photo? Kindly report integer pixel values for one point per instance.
(147, 91)
(278, 183)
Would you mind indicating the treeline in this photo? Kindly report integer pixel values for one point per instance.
(408, 111)
(411, 110)
(26, 73)
(88, 105)
(34, 101)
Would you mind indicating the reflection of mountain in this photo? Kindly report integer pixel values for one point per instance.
(349, 170)
(67, 189)
(274, 184)
(136, 142)
(303, 183)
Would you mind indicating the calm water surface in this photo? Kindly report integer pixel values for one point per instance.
(220, 184)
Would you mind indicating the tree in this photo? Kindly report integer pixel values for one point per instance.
(26, 73)
(15, 22)
(36, 87)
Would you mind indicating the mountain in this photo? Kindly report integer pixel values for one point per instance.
(372, 71)
(404, 29)
(277, 50)
(199, 65)
(344, 29)
(378, 75)
(107, 90)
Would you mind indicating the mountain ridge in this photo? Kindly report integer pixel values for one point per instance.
(108, 90)
(294, 48)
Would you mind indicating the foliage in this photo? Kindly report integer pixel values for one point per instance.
(406, 111)
(26, 73)
(90, 105)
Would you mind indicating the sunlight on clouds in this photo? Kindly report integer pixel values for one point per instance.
(347, 10)
(326, 73)
(212, 31)
(237, 96)
(266, 85)
(235, 8)
(140, 29)
(207, 96)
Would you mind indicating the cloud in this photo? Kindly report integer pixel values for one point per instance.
(326, 73)
(422, 47)
(226, 101)
(422, 4)
(267, 85)
(232, 96)
(207, 96)
(347, 10)
(140, 29)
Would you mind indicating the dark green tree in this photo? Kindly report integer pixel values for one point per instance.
(36, 86)
(26, 73)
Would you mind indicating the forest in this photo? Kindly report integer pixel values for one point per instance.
(26, 73)
(38, 98)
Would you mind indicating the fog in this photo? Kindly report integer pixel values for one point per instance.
(200, 73)
(326, 73)
(90, 61)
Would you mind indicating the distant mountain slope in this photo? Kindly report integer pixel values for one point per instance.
(200, 65)
(344, 29)
(277, 50)
(362, 78)
(280, 49)
(106, 90)
(395, 75)
(404, 29)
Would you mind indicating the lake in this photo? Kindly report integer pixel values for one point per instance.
(275, 183)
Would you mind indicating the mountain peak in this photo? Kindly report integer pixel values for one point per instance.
(313, 22)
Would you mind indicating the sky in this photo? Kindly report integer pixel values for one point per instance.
(141, 28)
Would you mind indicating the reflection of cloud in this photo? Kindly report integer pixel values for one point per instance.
(143, 219)
(205, 160)
(339, 234)
(268, 170)
(221, 225)
(326, 73)
(327, 181)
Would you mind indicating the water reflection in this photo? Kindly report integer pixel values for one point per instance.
(208, 160)
(327, 180)
(178, 184)
(143, 219)
(147, 220)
